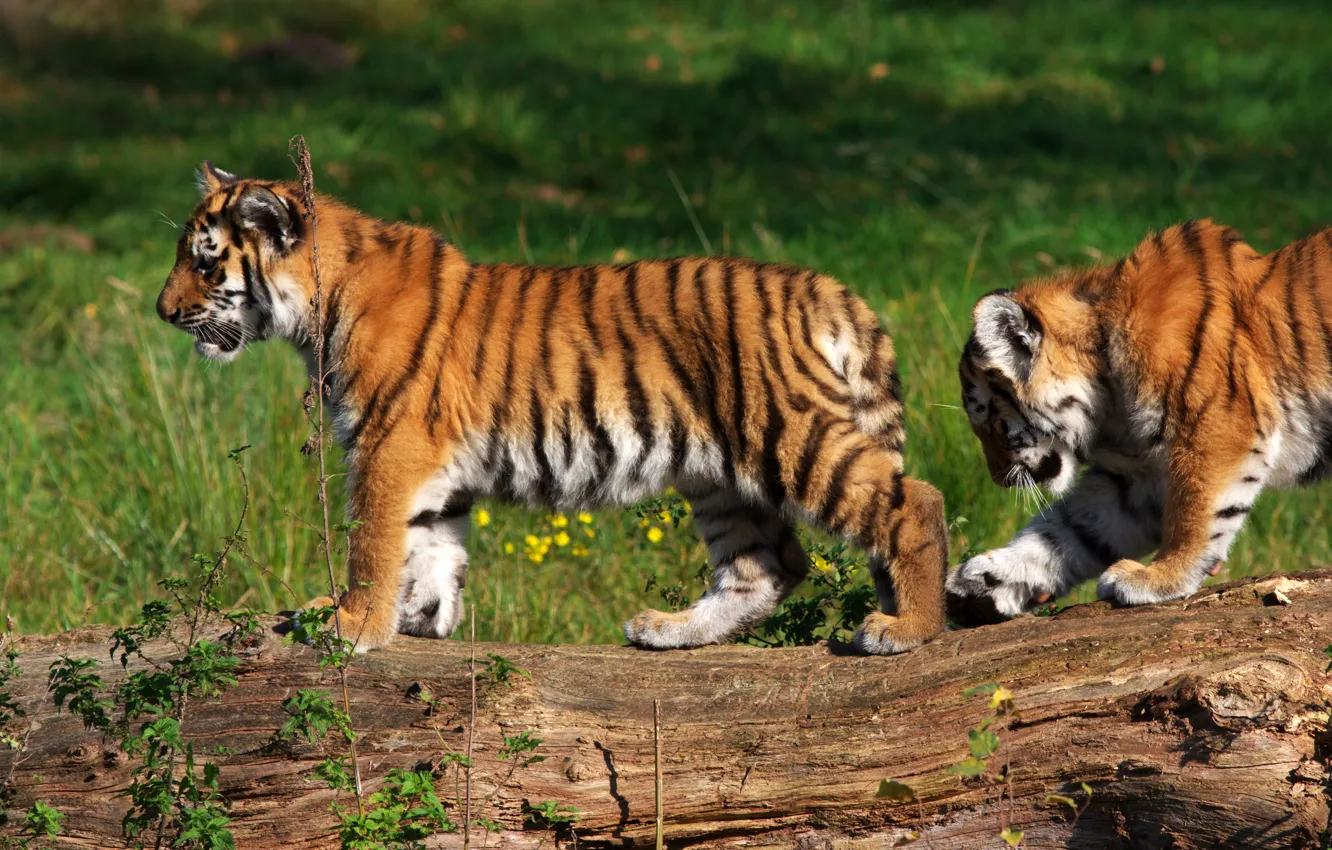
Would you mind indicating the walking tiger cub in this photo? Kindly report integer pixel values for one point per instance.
(763, 393)
(1188, 377)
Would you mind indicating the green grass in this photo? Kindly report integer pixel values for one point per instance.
(997, 139)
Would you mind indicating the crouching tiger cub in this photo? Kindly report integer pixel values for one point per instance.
(764, 393)
(1188, 377)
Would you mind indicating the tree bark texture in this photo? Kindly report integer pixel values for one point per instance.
(1199, 724)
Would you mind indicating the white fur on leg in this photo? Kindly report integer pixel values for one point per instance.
(430, 603)
(875, 636)
(742, 593)
(1130, 583)
(1011, 576)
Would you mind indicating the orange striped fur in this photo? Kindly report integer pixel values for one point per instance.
(1187, 377)
(764, 393)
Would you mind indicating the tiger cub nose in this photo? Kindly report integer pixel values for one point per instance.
(167, 312)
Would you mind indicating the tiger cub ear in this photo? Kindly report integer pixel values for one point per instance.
(209, 178)
(261, 210)
(1008, 334)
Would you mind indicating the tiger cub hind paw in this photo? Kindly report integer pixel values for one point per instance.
(884, 634)
(663, 630)
(1128, 583)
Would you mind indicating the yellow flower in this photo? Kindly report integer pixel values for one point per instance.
(531, 540)
(585, 518)
(559, 521)
(663, 516)
(508, 548)
(589, 532)
(688, 507)
(535, 557)
(561, 539)
(579, 551)
(654, 534)
(545, 541)
(670, 491)
(90, 310)
(821, 564)
(644, 522)
(483, 518)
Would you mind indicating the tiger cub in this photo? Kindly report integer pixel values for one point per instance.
(1187, 377)
(763, 393)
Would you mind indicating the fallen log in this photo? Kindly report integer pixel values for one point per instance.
(1195, 725)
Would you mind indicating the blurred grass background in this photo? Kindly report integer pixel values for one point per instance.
(922, 152)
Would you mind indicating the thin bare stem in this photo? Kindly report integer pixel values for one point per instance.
(471, 733)
(656, 746)
(300, 155)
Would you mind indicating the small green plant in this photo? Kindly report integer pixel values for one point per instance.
(1072, 804)
(43, 820)
(549, 814)
(399, 816)
(9, 709)
(517, 751)
(41, 823)
(497, 671)
(312, 714)
(670, 508)
(674, 595)
(174, 797)
(837, 598)
(983, 743)
(515, 748)
(982, 740)
(833, 601)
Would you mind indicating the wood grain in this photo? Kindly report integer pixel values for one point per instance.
(1199, 724)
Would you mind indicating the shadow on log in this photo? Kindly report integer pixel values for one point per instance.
(1200, 724)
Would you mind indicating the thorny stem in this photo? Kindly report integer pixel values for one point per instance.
(211, 580)
(471, 733)
(300, 155)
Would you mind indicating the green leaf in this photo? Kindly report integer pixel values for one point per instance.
(968, 767)
(44, 820)
(983, 743)
(550, 814)
(1061, 800)
(1088, 789)
(987, 688)
(895, 792)
(1012, 837)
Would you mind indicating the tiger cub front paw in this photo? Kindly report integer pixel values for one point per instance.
(362, 622)
(990, 588)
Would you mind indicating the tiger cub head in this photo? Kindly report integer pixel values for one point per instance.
(238, 276)
(1029, 384)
